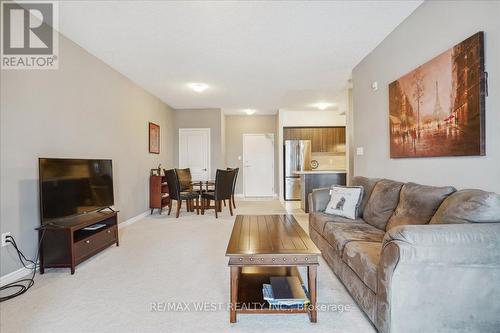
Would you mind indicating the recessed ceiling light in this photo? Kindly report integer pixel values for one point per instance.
(198, 86)
(323, 106)
(249, 111)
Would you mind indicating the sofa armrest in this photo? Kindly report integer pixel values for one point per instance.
(319, 199)
(435, 278)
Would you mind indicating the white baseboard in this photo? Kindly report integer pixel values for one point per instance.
(241, 196)
(22, 272)
(14, 276)
(132, 220)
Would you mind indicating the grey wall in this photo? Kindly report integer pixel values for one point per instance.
(202, 118)
(84, 109)
(236, 126)
(433, 27)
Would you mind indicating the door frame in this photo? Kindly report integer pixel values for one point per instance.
(204, 129)
(273, 161)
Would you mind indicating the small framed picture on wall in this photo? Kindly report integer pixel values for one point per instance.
(154, 138)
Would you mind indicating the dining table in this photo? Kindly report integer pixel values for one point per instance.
(204, 185)
(201, 185)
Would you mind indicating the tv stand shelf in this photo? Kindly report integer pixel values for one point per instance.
(80, 235)
(66, 244)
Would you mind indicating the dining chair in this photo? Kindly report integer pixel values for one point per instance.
(223, 189)
(186, 184)
(234, 184)
(174, 186)
(184, 176)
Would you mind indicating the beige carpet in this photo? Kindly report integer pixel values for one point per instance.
(163, 259)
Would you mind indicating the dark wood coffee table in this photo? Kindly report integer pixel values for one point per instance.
(262, 246)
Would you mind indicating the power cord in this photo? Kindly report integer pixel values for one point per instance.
(22, 285)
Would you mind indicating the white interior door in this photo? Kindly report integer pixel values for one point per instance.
(258, 165)
(194, 151)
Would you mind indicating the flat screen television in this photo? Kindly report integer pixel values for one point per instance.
(70, 187)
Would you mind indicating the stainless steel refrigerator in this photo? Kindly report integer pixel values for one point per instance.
(297, 158)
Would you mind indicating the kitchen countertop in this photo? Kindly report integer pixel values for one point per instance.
(318, 172)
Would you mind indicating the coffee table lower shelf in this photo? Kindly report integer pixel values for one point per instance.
(248, 281)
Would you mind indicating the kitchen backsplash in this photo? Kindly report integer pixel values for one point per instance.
(328, 161)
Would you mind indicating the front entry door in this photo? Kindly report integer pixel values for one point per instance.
(194, 152)
(258, 165)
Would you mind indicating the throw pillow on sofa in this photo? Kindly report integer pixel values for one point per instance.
(345, 201)
(418, 204)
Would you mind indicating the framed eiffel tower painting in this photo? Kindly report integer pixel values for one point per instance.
(438, 108)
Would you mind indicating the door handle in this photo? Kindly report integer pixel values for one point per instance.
(204, 169)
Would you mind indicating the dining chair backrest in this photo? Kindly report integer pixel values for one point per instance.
(224, 184)
(173, 184)
(184, 176)
(236, 170)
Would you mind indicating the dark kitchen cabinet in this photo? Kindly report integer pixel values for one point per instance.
(323, 139)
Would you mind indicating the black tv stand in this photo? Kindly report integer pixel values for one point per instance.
(66, 244)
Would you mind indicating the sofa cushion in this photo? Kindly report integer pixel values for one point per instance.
(318, 220)
(382, 202)
(339, 234)
(363, 258)
(466, 206)
(418, 204)
(368, 184)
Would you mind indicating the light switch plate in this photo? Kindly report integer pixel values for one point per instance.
(374, 85)
(360, 151)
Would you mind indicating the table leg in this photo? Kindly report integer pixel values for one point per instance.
(312, 282)
(235, 272)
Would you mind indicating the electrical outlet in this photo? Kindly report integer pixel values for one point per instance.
(4, 238)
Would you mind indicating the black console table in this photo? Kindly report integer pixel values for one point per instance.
(66, 244)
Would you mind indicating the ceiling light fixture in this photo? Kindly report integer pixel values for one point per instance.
(198, 86)
(249, 111)
(323, 106)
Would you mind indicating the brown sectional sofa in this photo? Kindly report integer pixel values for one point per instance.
(420, 258)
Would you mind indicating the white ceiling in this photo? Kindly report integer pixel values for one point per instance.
(260, 55)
